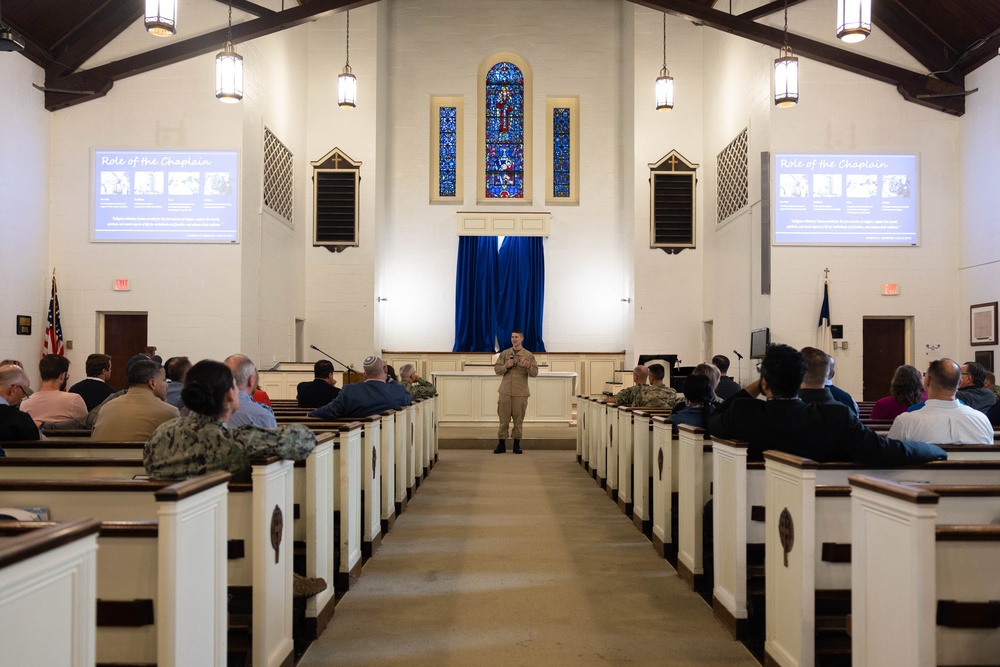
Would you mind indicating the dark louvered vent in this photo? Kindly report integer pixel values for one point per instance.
(335, 186)
(672, 203)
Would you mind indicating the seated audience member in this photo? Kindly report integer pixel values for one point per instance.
(416, 385)
(818, 365)
(972, 391)
(52, 402)
(628, 395)
(321, 389)
(991, 383)
(943, 420)
(14, 424)
(87, 421)
(656, 394)
(390, 374)
(136, 415)
(839, 394)
(698, 403)
(993, 414)
(201, 443)
(15, 362)
(95, 388)
(260, 396)
(819, 431)
(176, 368)
(727, 385)
(249, 412)
(370, 397)
(907, 389)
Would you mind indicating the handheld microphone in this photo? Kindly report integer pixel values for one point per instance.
(738, 354)
(512, 354)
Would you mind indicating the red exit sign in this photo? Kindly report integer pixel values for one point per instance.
(122, 285)
(890, 289)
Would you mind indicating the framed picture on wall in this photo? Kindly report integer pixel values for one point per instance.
(985, 357)
(983, 324)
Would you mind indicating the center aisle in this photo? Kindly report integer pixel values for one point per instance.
(519, 560)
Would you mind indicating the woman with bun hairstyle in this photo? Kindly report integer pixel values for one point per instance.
(201, 442)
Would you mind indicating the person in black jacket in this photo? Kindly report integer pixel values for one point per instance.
(95, 388)
(14, 424)
(727, 385)
(321, 390)
(819, 431)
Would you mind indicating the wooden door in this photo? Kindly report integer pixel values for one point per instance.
(124, 337)
(884, 343)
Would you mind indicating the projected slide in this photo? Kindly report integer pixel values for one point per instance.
(835, 199)
(163, 196)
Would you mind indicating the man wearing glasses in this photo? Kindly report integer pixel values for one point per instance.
(971, 390)
(14, 424)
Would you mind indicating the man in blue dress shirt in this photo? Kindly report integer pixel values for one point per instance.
(370, 397)
(249, 412)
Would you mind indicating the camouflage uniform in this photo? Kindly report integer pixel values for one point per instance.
(419, 389)
(655, 396)
(628, 395)
(194, 445)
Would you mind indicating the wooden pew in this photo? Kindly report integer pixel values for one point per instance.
(66, 447)
(694, 483)
(925, 568)
(812, 503)
(251, 509)
(581, 428)
(161, 585)
(665, 466)
(632, 445)
(47, 595)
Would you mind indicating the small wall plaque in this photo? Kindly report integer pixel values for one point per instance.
(24, 325)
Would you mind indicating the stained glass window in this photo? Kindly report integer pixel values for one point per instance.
(447, 128)
(504, 132)
(560, 152)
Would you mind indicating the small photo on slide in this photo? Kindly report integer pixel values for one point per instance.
(793, 185)
(218, 183)
(115, 183)
(149, 182)
(896, 185)
(827, 185)
(862, 185)
(184, 183)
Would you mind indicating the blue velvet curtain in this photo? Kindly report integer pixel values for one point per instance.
(498, 291)
(475, 294)
(521, 281)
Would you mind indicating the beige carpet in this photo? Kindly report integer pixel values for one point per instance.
(519, 560)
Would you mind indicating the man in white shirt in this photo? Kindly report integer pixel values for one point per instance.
(943, 420)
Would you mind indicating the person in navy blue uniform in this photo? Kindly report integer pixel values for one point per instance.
(370, 397)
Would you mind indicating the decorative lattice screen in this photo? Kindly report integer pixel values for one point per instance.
(277, 176)
(733, 177)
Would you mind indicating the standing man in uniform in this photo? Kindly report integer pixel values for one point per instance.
(516, 365)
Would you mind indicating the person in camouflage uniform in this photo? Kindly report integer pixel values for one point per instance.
(628, 395)
(655, 394)
(201, 442)
(416, 385)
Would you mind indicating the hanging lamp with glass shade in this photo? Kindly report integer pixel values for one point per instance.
(786, 73)
(347, 83)
(854, 19)
(161, 17)
(229, 69)
(664, 82)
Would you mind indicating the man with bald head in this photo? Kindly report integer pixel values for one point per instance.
(361, 399)
(943, 419)
(249, 412)
(628, 395)
(14, 424)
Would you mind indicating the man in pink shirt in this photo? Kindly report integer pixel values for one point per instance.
(52, 402)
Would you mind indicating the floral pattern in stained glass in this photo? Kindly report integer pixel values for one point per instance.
(504, 132)
(560, 152)
(447, 133)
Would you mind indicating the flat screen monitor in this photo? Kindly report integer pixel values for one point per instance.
(759, 340)
(185, 196)
(845, 199)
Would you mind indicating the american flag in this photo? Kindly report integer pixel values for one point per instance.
(53, 329)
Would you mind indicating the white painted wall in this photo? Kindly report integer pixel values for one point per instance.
(24, 191)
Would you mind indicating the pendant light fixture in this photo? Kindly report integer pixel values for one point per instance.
(786, 73)
(664, 82)
(161, 17)
(229, 69)
(854, 19)
(347, 84)
(9, 40)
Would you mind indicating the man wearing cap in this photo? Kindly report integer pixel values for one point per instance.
(516, 365)
(370, 397)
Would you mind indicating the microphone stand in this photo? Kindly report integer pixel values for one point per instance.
(347, 368)
(739, 367)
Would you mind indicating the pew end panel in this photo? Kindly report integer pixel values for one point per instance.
(694, 480)
(730, 524)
